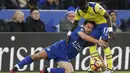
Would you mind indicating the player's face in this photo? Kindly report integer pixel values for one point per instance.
(88, 28)
(83, 7)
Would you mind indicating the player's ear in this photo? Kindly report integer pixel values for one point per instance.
(93, 23)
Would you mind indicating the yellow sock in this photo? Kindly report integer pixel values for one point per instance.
(108, 55)
(93, 52)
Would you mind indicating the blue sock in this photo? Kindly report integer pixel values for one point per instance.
(57, 70)
(25, 61)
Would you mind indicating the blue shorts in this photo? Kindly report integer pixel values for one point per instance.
(100, 31)
(57, 51)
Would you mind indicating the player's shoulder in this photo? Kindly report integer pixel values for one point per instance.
(93, 4)
(78, 10)
(80, 28)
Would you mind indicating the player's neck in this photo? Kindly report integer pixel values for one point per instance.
(86, 10)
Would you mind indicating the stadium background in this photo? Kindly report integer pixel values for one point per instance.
(52, 17)
(15, 46)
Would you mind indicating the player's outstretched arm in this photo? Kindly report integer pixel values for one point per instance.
(109, 22)
(99, 9)
(92, 40)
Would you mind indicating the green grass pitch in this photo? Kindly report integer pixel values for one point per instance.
(75, 72)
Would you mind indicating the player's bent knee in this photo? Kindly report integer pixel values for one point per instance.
(70, 70)
(35, 57)
(67, 66)
(40, 55)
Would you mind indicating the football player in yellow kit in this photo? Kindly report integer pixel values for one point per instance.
(93, 11)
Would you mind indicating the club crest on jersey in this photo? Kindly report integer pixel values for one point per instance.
(100, 8)
(48, 49)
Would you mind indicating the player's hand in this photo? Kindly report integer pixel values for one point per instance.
(68, 37)
(102, 44)
(112, 35)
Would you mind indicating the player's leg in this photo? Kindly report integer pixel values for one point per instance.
(67, 66)
(107, 51)
(64, 67)
(98, 56)
(108, 55)
(93, 47)
(29, 59)
(63, 63)
(60, 57)
(96, 33)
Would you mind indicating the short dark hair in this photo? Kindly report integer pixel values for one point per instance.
(92, 22)
(32, 9)
(79, 2)
(113, 12)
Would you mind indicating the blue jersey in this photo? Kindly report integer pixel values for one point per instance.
(60, 51)
(100, 31)
(76, 43)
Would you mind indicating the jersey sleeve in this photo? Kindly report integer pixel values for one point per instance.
(77, 16)
(99, 9)
(80, 30)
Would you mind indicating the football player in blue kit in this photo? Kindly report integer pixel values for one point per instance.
(62, 52)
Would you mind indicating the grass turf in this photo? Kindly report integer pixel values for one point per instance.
(75, 72)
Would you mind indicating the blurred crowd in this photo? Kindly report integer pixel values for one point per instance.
(41, 4)
(58, 4)
(33, 23)
(17, 24)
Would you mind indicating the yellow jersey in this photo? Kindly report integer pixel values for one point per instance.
(94, 13)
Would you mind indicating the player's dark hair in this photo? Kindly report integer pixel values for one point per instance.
(103, 5)
(32, 9)
(81, 2)
(92, 22)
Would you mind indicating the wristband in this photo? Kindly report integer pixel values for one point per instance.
(69, 33)
(110, 29)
